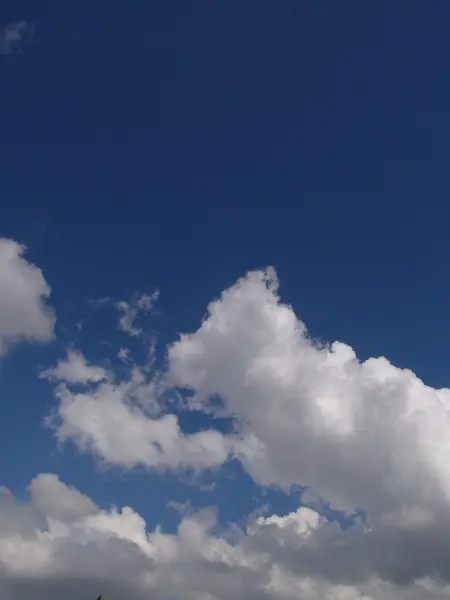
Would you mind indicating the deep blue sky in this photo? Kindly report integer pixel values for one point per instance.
(178, 144)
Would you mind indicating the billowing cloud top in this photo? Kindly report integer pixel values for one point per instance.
(364, 435)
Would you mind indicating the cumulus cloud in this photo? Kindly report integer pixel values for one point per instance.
(60, 544)
(24, 312)
(123, 423)
(363, 435)
(13, 36)
(366, 437)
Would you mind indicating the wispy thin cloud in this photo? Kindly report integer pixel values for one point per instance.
(13, 36)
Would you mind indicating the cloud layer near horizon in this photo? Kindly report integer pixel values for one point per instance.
(60, 543)
(363, 436)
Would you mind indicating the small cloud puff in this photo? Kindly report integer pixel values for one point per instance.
(74, 369)
(24, 311)
(138, 305)
(14, 35)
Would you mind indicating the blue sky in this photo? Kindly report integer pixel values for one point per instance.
(288, 162)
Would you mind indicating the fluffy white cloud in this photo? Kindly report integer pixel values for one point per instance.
(74, 369)
(122, 423)
(56, 500)
(364, 436)
(24, 313)
(60, 544)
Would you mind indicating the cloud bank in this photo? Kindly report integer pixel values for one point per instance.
(367, 438)
(60, 542)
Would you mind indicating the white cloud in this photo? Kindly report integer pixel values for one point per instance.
(12, 36)
(140, 304)
(122, 423)
(55, 500)
(74, 369)
(48, 551)
(24, 313)
(364, 436)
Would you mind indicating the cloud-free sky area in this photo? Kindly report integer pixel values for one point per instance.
(224, 300)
